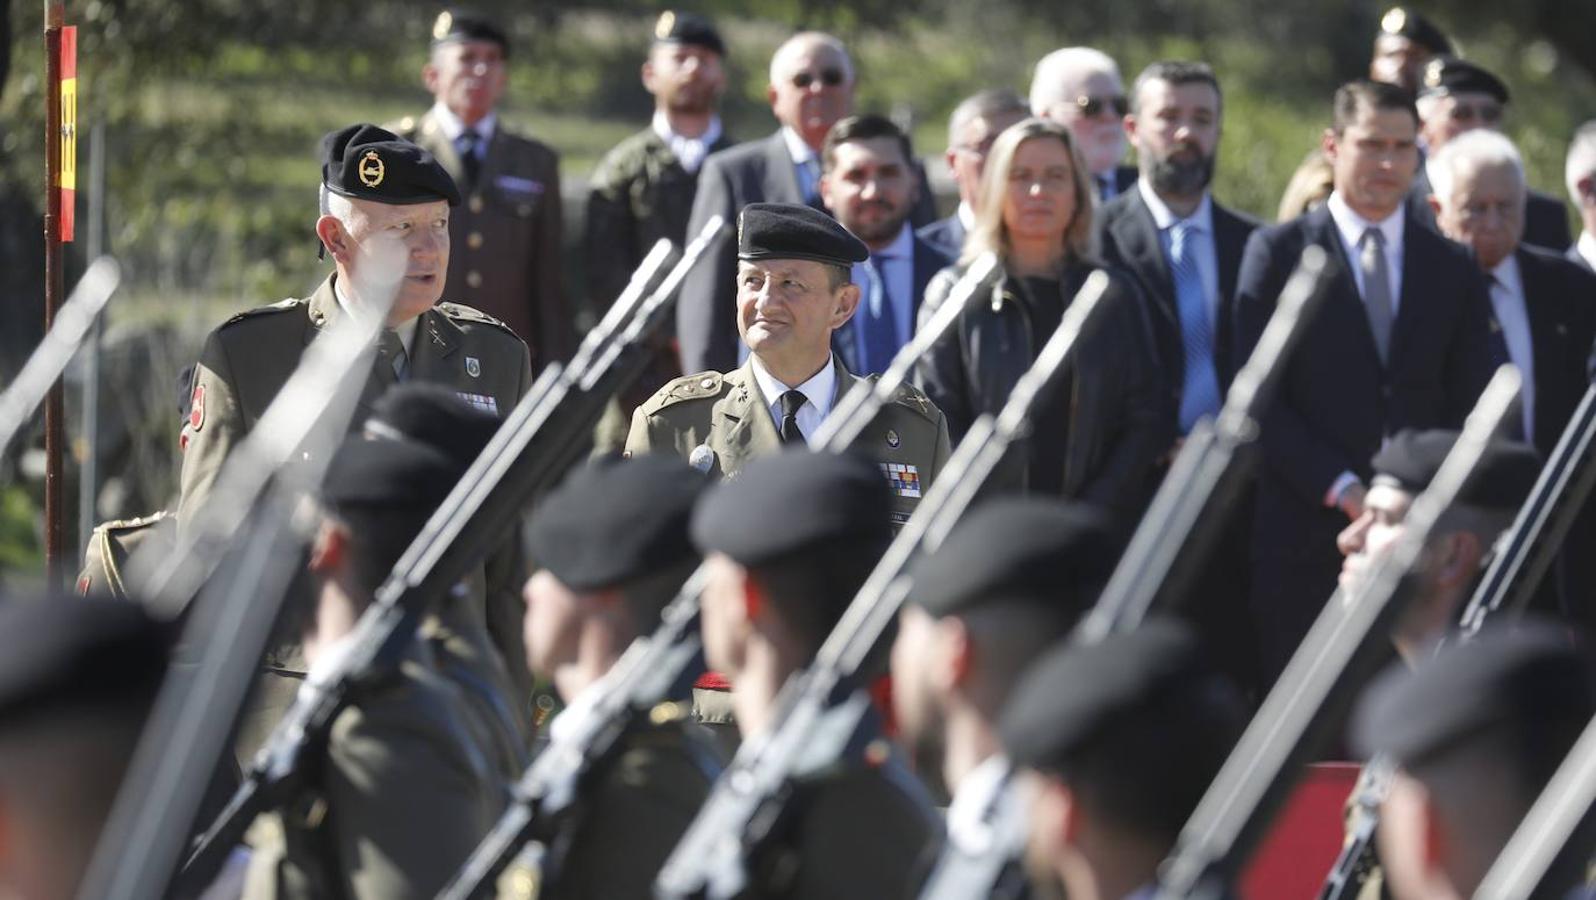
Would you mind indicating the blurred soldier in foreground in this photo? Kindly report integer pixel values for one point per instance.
(614, 538)
(1080, 88)
(972, 128)
(788, 543)
(1120, 739)
(508, 255)
(385, 221)
(1461, 544)
(404, 793)
(1477, 732)
(1457, 97)
(78, 677)
(1580, 173)
(1405, 43)
(1010, 581)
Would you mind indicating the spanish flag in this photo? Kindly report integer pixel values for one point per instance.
(69, 131)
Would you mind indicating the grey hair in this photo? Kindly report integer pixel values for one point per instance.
(1581, 158)
(805, 39)
(1470, 152)
(984, 105)
(1056, 67)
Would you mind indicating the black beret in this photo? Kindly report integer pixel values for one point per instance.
(402, 477)
(1073, 693)
(433, 415)
(466, 25)
(1012, 549)
(64, 651)
(688, 28)
(617, 520)
(1520, 679)
(786, 503)
(1504, 476)
(793, 231)
(1450, 75)
(370, 163)
(1416, 28)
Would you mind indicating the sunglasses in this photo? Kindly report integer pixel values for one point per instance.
(827, 77)
(1488, 113)
(1091, 106)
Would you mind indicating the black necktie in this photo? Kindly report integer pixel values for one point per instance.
(470, 141)
(791, 402)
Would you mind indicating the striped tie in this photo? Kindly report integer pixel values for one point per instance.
(1199, 394)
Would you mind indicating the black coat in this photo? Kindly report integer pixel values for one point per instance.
(928, 261)
(1119, 421)
(1337, 402)
(1560, 298)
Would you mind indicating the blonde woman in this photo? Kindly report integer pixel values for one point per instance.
(1097, 435)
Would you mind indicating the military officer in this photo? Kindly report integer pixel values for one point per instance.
(381, 195)
(793, 293)
(787, 545)
(111, 546)
(507, 237)
(615, 540)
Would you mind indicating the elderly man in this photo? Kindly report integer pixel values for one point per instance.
(1406, 42)
(868, 182)
(975, 124)
(386, 219)
(1402, 340)
(1455, 97)
(508, 235)
(1543, 304)
(1581, 176)
(1080, 88)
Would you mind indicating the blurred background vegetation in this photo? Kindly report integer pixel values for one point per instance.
(213, 108)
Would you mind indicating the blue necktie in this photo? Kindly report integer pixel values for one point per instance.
(1200, 394)
(470, 146)
(878, 325)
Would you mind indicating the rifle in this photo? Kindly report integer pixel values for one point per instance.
(50, 358)
(1560, 817)
(1164, 554)
(1298, 714)
(746, 808)
(1526, 553)
(547, 428)
(660, 666)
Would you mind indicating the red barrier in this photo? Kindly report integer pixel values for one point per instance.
(1296, 855)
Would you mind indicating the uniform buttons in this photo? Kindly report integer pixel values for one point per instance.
(474, 240)
(476, 203)
(474, 279)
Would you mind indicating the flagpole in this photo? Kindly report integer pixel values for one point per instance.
(54, 562)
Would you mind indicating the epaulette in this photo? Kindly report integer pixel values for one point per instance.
(280, 306)
(407, 124)
(910, 397)
(670, 711)
(701, 386)
(134, 523)
(461, 312)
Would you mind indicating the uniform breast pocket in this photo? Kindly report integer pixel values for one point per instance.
(516, 197)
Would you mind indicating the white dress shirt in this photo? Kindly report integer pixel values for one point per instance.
(453, 127)
(1351, 227)
(1587, 248)
(967, 811)
(1202, 237)
(805, 162)
(406, 329)
(898, 272)
(689, 151)
(819, 392)
(1508, 304)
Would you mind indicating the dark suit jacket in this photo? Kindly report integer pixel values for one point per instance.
(1336, 401)
(928, 261)
(1560, 298)
(946, 235)
(1545, 216)
(1128, 238)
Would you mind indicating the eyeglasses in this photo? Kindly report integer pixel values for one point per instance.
(1485, 113)
(827, 77)
(1092, 106)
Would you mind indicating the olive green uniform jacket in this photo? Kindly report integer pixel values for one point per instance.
(402, 798)
(730, 419)
(505, 253)
(246, 361)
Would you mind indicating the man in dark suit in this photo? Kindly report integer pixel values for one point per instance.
(975, 123)
(1080, 88)
(1184, 250)
(867, 181)
(1581, 176)
(1455, 97)
(1401, 341)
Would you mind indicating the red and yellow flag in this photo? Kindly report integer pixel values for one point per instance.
(69, 131)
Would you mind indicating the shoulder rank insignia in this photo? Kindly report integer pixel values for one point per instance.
(904, 478)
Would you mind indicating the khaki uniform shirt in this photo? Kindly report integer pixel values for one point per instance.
(720, 422)
(505, 253)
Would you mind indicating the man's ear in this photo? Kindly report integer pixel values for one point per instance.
(1129, 123)
(770, 94)
(957, 652)
(1435, 204)
(1327, 144)
(334, 238)
(330, 547)
(429, 77)
(1461, 552)
(647, 75)
(847, 302)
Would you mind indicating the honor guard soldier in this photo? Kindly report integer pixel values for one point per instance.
(1476, 733)
(507, 236)
(403, 793)
(1118, 740)
(794, 291)
(1405, 43)
(381, 196)
(114, 543)
(614, 540)
(787, 545)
